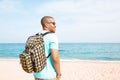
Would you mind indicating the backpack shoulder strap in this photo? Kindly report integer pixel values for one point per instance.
(49, 55)
(43, 34)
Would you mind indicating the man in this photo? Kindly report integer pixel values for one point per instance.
(52, 68)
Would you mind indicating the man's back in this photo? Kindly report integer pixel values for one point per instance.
(50, 42)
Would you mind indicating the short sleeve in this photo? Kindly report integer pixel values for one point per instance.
(53, 42)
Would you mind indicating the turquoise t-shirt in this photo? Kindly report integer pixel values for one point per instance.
(50, 42)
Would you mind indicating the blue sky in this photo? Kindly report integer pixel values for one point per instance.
(77, 20)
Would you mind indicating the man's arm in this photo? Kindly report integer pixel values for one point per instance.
(56, 61)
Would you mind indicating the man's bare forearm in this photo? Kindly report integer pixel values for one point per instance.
(57, 66)
(56, 61)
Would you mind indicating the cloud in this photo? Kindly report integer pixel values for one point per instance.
(11, 6)
(84, 10)
(60, 7)
(8, 5)
(78, 6)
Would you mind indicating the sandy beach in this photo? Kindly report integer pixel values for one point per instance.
(10, 69)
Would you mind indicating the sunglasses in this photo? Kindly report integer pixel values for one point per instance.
(51, 23)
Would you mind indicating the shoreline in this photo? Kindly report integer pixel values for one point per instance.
(69, 60)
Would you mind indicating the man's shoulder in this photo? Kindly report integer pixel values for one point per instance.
(50, 34)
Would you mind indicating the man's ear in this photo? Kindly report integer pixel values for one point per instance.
(46, 25)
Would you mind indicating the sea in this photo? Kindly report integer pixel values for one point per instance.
(70, 51)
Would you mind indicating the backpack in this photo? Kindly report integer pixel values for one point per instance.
(33, 58)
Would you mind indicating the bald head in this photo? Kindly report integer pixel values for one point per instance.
(48, 23)
(45, 19)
